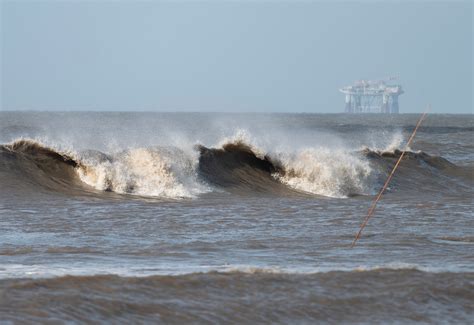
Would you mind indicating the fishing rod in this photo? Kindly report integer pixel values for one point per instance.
(389, 178)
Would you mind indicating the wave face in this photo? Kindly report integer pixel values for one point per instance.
(27, 165)
(236, 167)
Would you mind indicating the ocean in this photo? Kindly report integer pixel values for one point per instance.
(234, 218)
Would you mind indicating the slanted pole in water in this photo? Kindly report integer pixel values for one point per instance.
(389, 178)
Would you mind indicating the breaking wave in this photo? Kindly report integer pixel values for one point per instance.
(323, 172)
(236, 166)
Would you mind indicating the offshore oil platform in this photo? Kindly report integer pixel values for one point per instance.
(367, 96)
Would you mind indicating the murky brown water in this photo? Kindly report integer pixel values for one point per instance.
(234, 218)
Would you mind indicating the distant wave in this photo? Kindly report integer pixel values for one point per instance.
(255, 297)
(235, 167)
(14, 271)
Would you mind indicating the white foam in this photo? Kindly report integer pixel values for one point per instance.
(10, 271)
(157, 172)
(328, 172)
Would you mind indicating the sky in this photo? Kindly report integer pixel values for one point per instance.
(232, 56)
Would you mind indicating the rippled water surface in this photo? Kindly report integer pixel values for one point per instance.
(234, 218)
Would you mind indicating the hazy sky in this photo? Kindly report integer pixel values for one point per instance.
(232, 56)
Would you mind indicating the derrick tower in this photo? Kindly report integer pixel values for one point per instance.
(368, 96)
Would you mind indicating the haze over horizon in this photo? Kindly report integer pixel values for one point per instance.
(232, 56)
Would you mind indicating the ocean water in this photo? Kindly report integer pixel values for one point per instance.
(234, 218)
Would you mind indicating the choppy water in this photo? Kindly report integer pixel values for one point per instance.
(234, 218)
